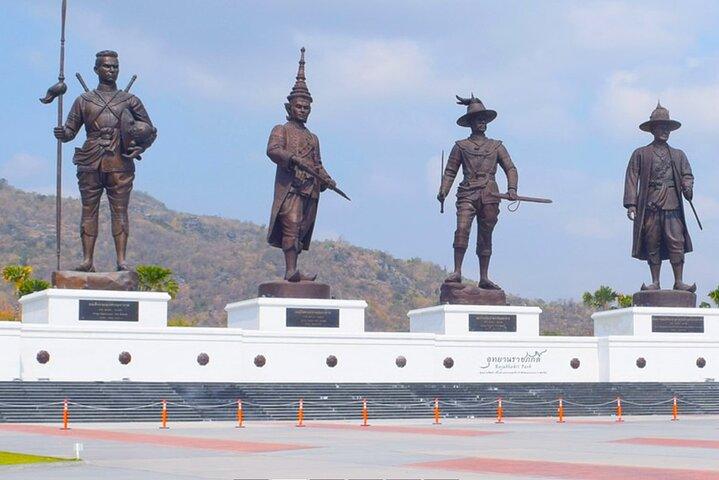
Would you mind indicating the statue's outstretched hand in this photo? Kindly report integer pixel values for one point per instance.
(512, 193)
(632, 213)
(441, 196)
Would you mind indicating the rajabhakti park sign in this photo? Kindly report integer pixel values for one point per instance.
(529, 363)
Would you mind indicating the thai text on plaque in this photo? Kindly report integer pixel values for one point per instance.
(677, 324)
(312, 317)
(492, 323)
(108, 311)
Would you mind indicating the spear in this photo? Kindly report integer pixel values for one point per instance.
(441, 179)
(58, 90)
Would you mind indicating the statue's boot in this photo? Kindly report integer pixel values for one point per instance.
(651, 286)
(297, 276)
(678, 269)
(88, 248)
(455, 277)
(685, 287)
(85, 266)
(120, 250)
(488, 284)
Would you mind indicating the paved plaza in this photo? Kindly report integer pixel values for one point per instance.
(582, 448)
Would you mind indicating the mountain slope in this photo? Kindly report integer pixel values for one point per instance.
(218, 261)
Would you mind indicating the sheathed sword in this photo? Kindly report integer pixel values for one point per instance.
(322, 179)
(505, 196)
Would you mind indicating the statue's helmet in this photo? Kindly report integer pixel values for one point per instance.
(135, 133)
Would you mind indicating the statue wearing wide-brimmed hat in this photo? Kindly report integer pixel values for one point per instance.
(656, 179)
(477, 197)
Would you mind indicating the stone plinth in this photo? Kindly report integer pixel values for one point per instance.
(658, 322)
(493, 320)
(297, 314)
(464, 294)
(65, 307)
(70, 279)
(284, 289)
(664, 298)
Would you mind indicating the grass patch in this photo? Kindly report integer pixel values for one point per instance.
(12, 458)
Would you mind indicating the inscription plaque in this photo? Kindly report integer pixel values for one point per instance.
(492, 323)
(677, 324)
(109, 311)
(312, 317)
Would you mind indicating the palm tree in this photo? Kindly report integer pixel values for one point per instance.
(154, 278)
(714, 295)
(601, 298)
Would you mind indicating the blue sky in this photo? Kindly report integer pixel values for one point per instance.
(571, 81)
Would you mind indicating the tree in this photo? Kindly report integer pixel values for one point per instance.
(601, 298)
(21, 278)
(714, 295)
(705, 305)
(154, 278)
(624, 301)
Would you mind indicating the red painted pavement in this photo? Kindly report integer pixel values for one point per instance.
(165, 439)
(578, 471)
(436, 430)
(670, 442)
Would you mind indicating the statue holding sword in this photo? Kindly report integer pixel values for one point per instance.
(478, 197)
(657, 178)
(299, 179)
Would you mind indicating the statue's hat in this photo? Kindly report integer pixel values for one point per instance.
(300, 89)
(660, 116)
(475, 108)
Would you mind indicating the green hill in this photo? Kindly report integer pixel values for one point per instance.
(217, 261)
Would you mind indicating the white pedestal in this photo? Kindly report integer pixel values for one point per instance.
(90, 308)
(494, 320)
(297, 314)
(658, 322)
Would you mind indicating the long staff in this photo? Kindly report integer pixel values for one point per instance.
(58, 90)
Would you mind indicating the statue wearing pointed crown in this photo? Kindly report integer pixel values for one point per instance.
(299, 179)
(657, 178)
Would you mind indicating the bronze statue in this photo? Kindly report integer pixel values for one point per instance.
(299, 179)
(478, 193)
(657, 177)
(118, 130)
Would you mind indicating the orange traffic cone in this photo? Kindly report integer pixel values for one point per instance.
(240, 415)
(500, 411)
(675, 409)
(365, 415)
(560, 411)
(163, 415)
(300, 414)
(619, 410)
(436, 411)
(65, 415)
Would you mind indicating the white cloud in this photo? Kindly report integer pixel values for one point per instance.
(627, 26)
(626, 102)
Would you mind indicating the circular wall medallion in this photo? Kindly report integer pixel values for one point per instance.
(42, 357)
(641, 362)
(448, 362)
(331, 361)
(125, 358)
(574, 363)
(260, 361)
(203, 359)
(701, 362)
(400, 361)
